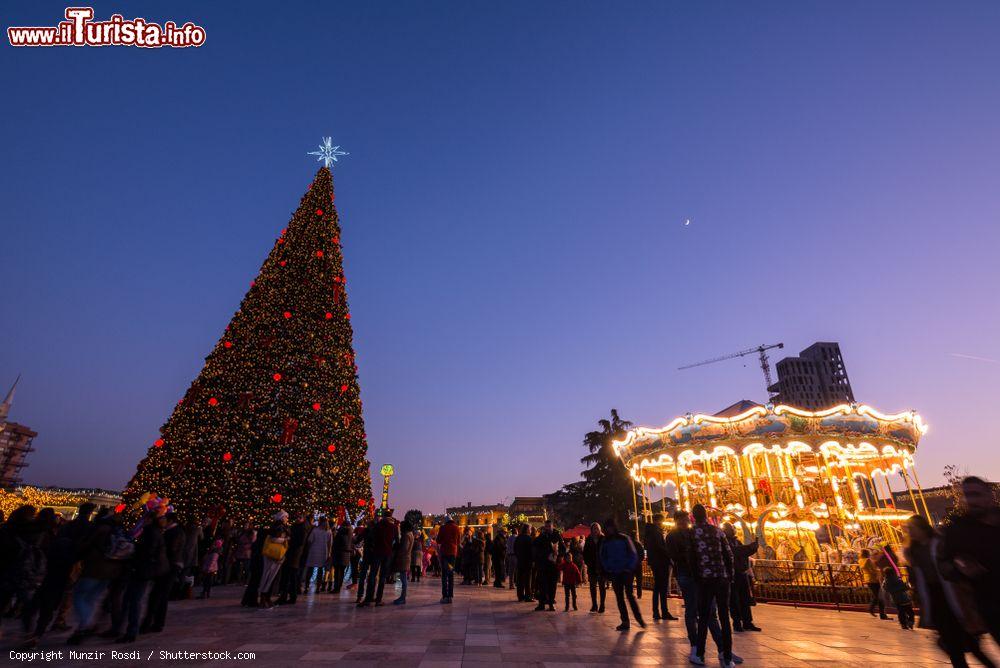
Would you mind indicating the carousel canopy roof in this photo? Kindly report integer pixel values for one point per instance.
(847, 425)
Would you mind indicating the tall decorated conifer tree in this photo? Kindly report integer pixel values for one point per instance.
(273, 421)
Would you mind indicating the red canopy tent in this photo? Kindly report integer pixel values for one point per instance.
(581, 530)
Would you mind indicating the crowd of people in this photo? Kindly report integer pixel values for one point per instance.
(94, 569)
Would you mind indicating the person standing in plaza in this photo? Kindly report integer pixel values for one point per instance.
(873, 580)
(447, 540)
(681, 550)
(244, 543)
(385, 531)
(402, 558)
(970, 550)
(417, 555)
(713, 561)
(510, 559)
(618, 560)
(739, 596)
(945, 606)
(640, 551)
(318, 549)
(288, 586)
(342, 555)
(524, 559)
(499, 554)
(595, 576)
(570, 579)
(659, 564)
(174, 541)
(149, 563)
(544, 553)
(273, 549)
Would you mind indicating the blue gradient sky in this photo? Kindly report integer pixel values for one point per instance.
(513, 213)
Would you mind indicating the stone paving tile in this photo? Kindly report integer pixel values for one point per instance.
(486, 627)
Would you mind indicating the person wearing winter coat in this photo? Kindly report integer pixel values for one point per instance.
(499, 553)
(22, 561)
(618, 561)
(417, 556)
(384, 536)
(596, 577)
(341, 556)
(944, 606)
(447, 538)
(713, 569)
(96, 575)
(149, 562)
(244, 543)
(524, 558)
(210, 568)
(659, 564)
(739, 596)
(402, 558)
(319, 547)
(273, 550)
(570, 578)
(175, 545)
(288, 586)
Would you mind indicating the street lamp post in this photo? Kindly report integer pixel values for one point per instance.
(387, 472)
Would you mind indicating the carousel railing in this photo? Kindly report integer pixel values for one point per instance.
(801, 582)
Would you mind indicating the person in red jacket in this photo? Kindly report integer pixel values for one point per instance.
(571, 577)
(447, 539)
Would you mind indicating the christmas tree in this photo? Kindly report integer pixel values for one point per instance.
(273, 421)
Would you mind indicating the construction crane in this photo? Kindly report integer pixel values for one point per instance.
(761, 350)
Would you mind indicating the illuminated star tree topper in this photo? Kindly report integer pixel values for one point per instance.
(328, 152)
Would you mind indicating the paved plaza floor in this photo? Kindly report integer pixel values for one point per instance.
(485, 626)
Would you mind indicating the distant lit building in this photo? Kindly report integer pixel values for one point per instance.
(15, 444)
(940, 500)
(814, 380)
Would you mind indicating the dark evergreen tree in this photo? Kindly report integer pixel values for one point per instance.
(273, 421)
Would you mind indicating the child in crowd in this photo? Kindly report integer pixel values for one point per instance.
(899, 591)
(570, 578)
(209, 568)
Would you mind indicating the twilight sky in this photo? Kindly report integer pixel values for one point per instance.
(513, 211)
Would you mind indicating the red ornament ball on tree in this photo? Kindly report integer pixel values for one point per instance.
(331, 447)
(213, 401)
(329, 315)
(343, 388)
(228, 344)
(316, 406)
(120, 508)
(362, 503)
(276, 376)
(336, 240)
(281, 240)
(282, 263)
(347, 317)
(319, 253)
(158, 442)
(227, 456)
(287, 314)
(276, 498)
(319, 212)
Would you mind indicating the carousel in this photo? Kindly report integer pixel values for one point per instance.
(809, 486)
